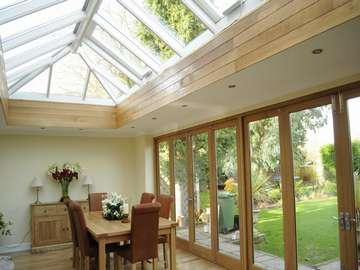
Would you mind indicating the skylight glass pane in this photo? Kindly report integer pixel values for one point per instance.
(118, 49)
(8, 3)
(37, 85)
(176, 17)
(40, 41)
(129, 25)
(222, 5)
(69, 76)
(101, 63)
(95, 89)
(40, 17)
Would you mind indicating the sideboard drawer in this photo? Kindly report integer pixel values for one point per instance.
(45, 210)
(61, 210)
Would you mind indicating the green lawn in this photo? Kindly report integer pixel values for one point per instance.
(317, 231)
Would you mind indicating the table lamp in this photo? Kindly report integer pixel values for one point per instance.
(37, 184)
(88, 181)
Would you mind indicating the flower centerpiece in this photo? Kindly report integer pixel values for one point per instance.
(113, 206)
(64, 176)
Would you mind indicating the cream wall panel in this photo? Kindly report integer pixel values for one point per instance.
(110, 161)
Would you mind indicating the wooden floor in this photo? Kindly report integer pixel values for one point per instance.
(61, 260)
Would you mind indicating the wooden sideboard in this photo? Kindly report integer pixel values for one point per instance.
(50, 225)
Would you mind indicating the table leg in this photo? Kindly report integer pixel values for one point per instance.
(172, 249)
(101, 254)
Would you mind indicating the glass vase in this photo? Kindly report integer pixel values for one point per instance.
(65, 190)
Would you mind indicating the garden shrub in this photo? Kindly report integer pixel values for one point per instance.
(275, 195)
(329, 188)
(328, 160)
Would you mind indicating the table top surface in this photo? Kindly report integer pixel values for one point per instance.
(99, 227)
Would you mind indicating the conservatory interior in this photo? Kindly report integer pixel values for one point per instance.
(244, 112)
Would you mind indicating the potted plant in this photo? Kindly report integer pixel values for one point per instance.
(6, 262)
(64, 176)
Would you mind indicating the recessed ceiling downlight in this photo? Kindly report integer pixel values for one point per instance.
(184, 105)
(154, 118)
(317, 51)
(231, 85)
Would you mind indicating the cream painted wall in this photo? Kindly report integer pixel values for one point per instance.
(112, 162)
(145, 163)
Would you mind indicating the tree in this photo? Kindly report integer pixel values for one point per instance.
(180, 20)
(265, 148)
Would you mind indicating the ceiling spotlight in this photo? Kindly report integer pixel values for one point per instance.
(81, 129)
(232, 85)
(132, 127)
(184, 105)
(154, 118)
(317, 51)
(42, 128)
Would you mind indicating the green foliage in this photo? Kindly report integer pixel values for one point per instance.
(329, 161)
(164, 166)
(226, 156)
(4, 226)
(179, 18)
(275, 195)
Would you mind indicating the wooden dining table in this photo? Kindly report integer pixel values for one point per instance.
(114, 231)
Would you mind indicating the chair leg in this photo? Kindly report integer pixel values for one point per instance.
(155, 263)
(80, 262)
(87, 263)
(108, 261)
(74, 257)
(165, 256)
(133, 266)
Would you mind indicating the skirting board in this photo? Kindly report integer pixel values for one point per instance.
(15, 248)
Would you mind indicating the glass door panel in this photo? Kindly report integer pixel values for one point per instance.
(317, 230)
(181, 188)
(164, 167)
(201, 189)
(227, 191)
(267, 211)
(353, 114)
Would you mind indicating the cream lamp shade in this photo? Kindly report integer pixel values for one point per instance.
(36, 182)
(88, 180)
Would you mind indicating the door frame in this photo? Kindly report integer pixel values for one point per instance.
(337, 96)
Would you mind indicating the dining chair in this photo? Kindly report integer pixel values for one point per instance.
(165, 209)
(87, 246)
(75, 241)
(144, 236)
(95, 201)
(147, 197)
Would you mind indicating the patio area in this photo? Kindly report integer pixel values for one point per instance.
(230, 246)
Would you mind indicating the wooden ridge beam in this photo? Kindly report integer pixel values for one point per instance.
(60, 115)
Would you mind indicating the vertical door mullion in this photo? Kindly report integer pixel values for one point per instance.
(213, 193)
(345, 183)
(157, 168)
(248, 198)
(190, 190)
(240, 142)
(288, 192)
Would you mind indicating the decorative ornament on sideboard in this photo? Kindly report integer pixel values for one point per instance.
(64, 176)
(37, 184)
(115, 207)
(88, 181)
